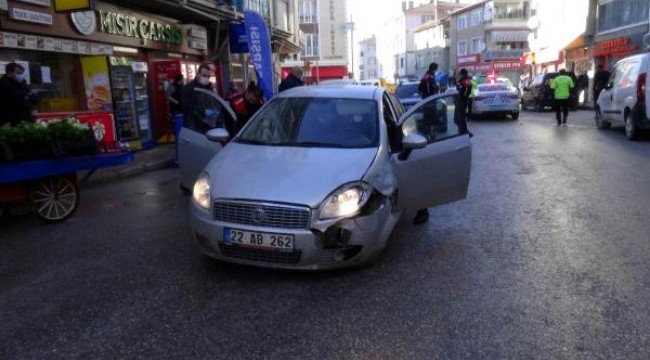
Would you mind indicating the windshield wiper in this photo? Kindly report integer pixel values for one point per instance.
(252, 142)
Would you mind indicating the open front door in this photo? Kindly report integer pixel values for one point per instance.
(438, 173)
(208, 111)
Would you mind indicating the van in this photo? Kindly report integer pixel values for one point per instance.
(624, 101)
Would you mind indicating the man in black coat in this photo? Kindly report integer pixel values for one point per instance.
(601, 78)
(16, 99)
(294, 79)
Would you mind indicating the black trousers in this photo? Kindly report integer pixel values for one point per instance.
(561, 107)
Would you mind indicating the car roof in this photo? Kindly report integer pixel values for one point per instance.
(329, 91)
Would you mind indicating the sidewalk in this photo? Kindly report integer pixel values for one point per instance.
(159, 157)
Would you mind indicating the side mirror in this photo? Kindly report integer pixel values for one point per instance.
(410, 143)
(218, 135)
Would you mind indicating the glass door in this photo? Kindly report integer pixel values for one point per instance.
(124, 104)
(142, 108)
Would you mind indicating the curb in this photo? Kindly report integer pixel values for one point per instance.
(108, 174)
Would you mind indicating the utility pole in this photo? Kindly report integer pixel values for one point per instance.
(351, 28)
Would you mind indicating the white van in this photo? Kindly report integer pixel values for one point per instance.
(625, 99)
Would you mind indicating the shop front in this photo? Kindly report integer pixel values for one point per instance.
(96, 62)
(608, 52)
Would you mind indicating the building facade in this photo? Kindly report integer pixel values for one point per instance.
(491, 37)
(324, 33)
(368, 62)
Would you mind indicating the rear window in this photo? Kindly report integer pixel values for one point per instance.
(407, 91)
(493, 87)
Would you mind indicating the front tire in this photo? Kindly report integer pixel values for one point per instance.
(515, 116)
(600, 123)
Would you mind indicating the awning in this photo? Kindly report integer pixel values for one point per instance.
(509, 36)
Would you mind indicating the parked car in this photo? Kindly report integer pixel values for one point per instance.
(496, 99)
(539, 94)
(408, 94)
(194, 148)
(625, 99)
(318, 178)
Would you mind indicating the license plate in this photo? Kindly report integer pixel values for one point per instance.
(258, 239)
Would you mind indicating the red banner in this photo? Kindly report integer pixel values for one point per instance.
(101, 123)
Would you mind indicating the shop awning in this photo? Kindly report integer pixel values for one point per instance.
(509, 36)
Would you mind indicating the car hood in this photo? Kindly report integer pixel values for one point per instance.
(296, 175)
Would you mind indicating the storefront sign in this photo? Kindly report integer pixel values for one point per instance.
(72, 5)
(52, 44)
(46, 3)
(197, 32)
(198, 44)
(36, 17)
(489, 55)
(119, 24)
(467, 59)
(615, 46)
(496, 66)
(84, 21)
(98, 89)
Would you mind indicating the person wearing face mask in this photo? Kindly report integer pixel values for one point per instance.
(16, 99)
(246, 103)
(202, 81)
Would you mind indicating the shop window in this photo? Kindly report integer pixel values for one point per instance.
(51, 76)
(622, 13)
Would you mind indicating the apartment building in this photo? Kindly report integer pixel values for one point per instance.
(324, 41)
(368, 62)
(490, 37)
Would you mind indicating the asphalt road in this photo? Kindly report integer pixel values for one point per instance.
(546, 259)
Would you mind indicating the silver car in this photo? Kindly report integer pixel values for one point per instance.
(319, 177)
(496, 99)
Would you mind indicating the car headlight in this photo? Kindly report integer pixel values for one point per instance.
(346, 201)
(201, 193)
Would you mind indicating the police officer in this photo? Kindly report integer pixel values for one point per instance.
(562, 86)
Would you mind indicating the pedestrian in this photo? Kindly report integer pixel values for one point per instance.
(246, 103)
(601, 78)
(562, 86)
(173, 95)
(294, 79)
(17, 101)
(428, 85)
(463, 100)
(200, 81)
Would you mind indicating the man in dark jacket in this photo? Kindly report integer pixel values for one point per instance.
(428, 85)
(16, 99)
(601, 78)
(294, 79)
(201, 80)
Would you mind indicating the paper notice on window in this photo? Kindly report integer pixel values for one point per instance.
(2, 67)
(46, 75)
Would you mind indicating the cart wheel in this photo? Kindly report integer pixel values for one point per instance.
(54, 199)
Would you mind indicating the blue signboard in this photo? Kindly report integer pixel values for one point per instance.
(238, 41)
(259, 47)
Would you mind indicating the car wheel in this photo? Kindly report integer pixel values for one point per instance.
(631, 131)
(600, 123)
(515, 116)
(54, 199)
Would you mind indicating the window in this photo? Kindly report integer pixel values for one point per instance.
(622, 13)
(462, 47)
(511, 11)
(427, 18)
(207, 113)
(434, 120)
(477, 45)
(308, 13)
(372, 74)
(310, 45)
(476, 18)
(462, 22)
(511, 45)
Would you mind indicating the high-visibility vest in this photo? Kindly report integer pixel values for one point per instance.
(474, 88)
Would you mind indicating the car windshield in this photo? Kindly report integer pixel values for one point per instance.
(407, 91)
(314, 122)
(505, 81)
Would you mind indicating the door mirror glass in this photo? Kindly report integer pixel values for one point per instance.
(414, 141)
(218, 135)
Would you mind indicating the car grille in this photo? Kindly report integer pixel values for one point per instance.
(274, 256)
(262, 214)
